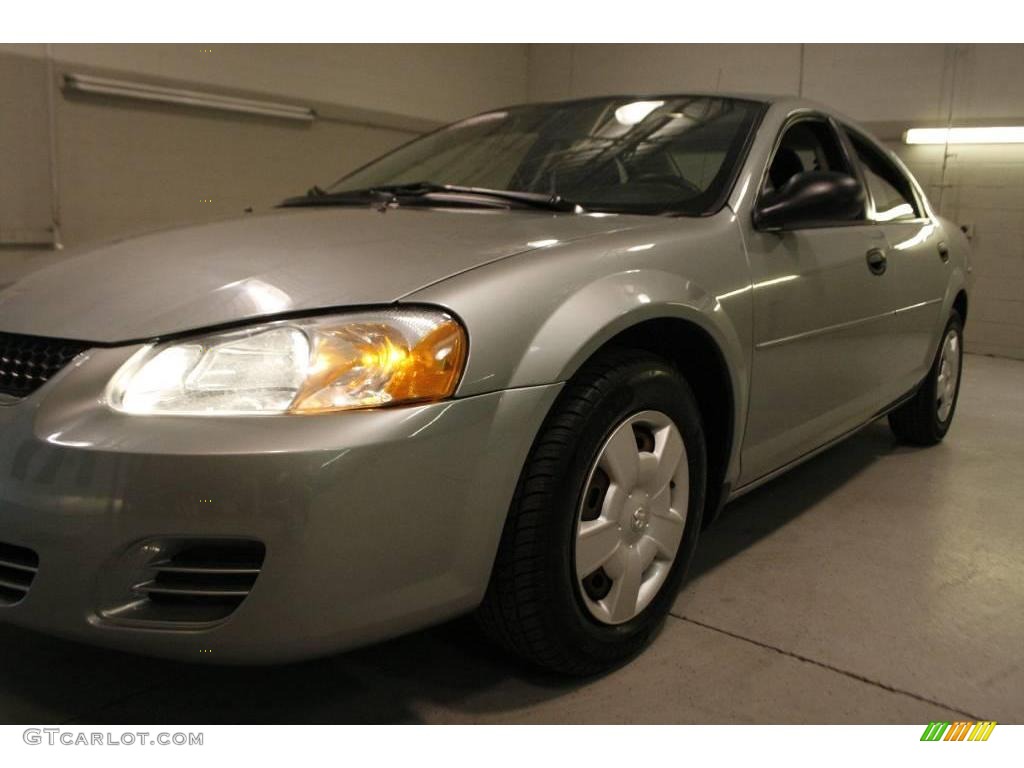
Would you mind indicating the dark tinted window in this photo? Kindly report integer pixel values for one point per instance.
(890, 190)
(670, 154)
(808, 145)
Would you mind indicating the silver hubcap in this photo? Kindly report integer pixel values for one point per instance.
(949, 375)
(631, 516)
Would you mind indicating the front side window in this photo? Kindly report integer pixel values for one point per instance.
(675, 154)
(807, 145)
(890, 190)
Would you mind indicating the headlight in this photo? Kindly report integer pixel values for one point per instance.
(363, 360)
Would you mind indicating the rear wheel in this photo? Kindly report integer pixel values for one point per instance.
(925, 418)
(605, 518)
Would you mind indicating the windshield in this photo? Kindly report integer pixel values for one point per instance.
(675, 154)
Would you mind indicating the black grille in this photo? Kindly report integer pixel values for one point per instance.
(28, 362)
(202, 581)
(18, 567)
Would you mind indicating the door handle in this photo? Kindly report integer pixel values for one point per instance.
(877, 261)
(943, 251)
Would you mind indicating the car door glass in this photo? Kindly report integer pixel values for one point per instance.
(889, 189)
(808, 145)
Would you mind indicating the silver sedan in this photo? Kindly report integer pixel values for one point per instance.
(512, 368)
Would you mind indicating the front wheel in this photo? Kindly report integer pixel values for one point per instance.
(605, 518)
(925, 418)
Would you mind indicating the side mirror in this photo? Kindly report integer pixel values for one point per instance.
(811, 198)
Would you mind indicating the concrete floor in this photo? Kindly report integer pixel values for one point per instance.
(874, 584)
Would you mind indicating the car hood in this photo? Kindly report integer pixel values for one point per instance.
(288, 260)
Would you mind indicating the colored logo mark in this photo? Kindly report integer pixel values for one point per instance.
(961, 730)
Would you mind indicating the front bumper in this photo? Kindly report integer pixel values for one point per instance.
(374, 522)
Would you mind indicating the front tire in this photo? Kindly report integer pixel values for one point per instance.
(926, 417)
(604, 520)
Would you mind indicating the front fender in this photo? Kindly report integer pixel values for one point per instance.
(606, 307)
(535, 319)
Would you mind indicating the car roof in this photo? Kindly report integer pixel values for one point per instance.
(648, 96)
(786, 102)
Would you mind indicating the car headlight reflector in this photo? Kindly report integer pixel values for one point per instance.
(316, 365)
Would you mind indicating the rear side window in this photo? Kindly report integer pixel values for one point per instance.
(890, 190)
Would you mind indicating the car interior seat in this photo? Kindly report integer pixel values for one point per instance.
(786, 165)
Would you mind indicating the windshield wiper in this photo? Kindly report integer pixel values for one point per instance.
(316, 196)
(533, 199)
(399, 193)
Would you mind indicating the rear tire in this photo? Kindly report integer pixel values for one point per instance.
(925, 418)
(538, 605)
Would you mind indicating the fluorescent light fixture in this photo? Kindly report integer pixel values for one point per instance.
(636, 111)
(147, 92)
(1008, 134)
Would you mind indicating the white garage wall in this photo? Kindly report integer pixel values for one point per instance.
(888, 87)
(426, 82)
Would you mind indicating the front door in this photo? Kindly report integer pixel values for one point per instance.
(822, 319)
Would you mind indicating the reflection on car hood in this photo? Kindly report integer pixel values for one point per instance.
(283, 261)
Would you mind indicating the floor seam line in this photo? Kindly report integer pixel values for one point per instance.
(825, 665)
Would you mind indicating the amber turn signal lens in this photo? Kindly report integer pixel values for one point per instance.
(374, 364)
(431, 370)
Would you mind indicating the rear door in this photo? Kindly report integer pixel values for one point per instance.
(917, 272)
(822, 317)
